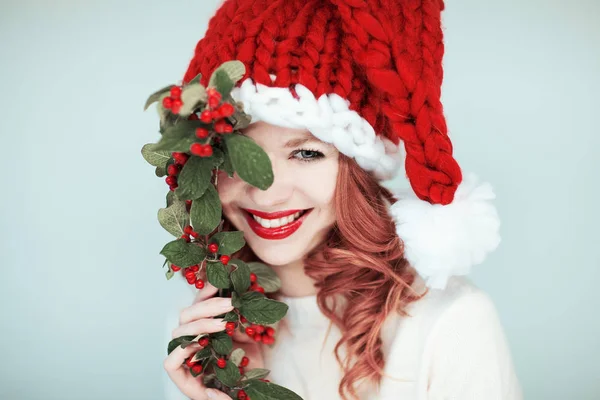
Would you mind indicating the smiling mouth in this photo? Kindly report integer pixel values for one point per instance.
(279, 228)
(278, 222)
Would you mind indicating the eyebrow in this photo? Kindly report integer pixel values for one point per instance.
(299, 141)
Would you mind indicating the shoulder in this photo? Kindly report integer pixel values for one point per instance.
(465, 353)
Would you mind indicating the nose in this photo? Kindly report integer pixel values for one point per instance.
(279, 193)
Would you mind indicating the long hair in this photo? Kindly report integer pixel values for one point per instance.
(362, 261)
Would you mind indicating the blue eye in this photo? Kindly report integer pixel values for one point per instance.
(308, 155)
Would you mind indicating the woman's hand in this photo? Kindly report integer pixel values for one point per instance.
(196, 319)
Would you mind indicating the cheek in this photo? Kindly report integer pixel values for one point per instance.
(319, 183)
(228, 188)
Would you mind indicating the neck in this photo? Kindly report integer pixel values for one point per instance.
(294, 282)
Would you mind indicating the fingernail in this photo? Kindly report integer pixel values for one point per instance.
(211, 394)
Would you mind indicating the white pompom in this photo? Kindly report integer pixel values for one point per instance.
(442, 241)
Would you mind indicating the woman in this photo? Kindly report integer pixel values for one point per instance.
(334, 88)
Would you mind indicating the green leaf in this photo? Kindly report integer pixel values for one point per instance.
(228, 375)
(217, 157)
(231, 316)
(194, 178)
(236, 356)
(240, 276)
(235, 300)
(174, 218)
(171, 198)
(156, 96)
(267, 278)
(156, 158)
(256, 373)
(193, 96)
(161, 171)
(218, 275)
(196, 79)
(205, 352)
(169, 274)
(259, 390)
(251, 296)
(229, 242)
(206, 211)
(221, 343)
(179, 137)
(183, 254)
(178, 341)
(249, 160)
(234, 69)
(227, 166)
(262, 310)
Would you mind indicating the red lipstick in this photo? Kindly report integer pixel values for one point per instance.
(280, 232)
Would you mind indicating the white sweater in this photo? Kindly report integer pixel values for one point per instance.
(452, 347)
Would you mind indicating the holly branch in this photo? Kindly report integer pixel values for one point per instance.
(199, 136)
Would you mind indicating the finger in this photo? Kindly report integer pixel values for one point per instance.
(177, 357)
(216, 395)
(206, 309)
(204, 325)
(206, 292)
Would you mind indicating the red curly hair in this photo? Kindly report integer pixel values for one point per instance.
(366, 267)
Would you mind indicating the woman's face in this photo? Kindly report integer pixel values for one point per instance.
(297, 209)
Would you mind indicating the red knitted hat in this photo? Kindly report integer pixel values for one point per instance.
(364, 75)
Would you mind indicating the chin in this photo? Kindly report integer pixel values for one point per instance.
(273, 253)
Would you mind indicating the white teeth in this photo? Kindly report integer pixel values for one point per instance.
(276, 223)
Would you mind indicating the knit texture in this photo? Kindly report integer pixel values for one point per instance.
(384, 57)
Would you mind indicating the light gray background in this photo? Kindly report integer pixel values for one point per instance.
(82, 292)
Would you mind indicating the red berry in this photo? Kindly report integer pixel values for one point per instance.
(180, 158)
(230, 326)
(259, 328)
(177, 103)
(268, 339)
(228, 129)
(195, 268)
(221, 363)
(260, 289)
(265, 380)
(229, 332)
(199, 284)
(193, 117)
(253, 277)
(172, 169)
(190, 279)
(213, 247)
(189, 363)
(257, 337)
(243, 319)
(207, 150)
(227, 110)
(214, 97)
(224, 259)
(241, 394)
(241, 370)
(186, 237)
(201, 133)
(195, 235)
(173, 187)
(175, 268)
(171, 180)
(206, 116)
(197, 149)
(203, 341)
(167, 102)
(250, 331)
(175, 92)
(270, 331)
(244, 362)
(188, 202)
(196, 369)
(220, 126)
(188, 229)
